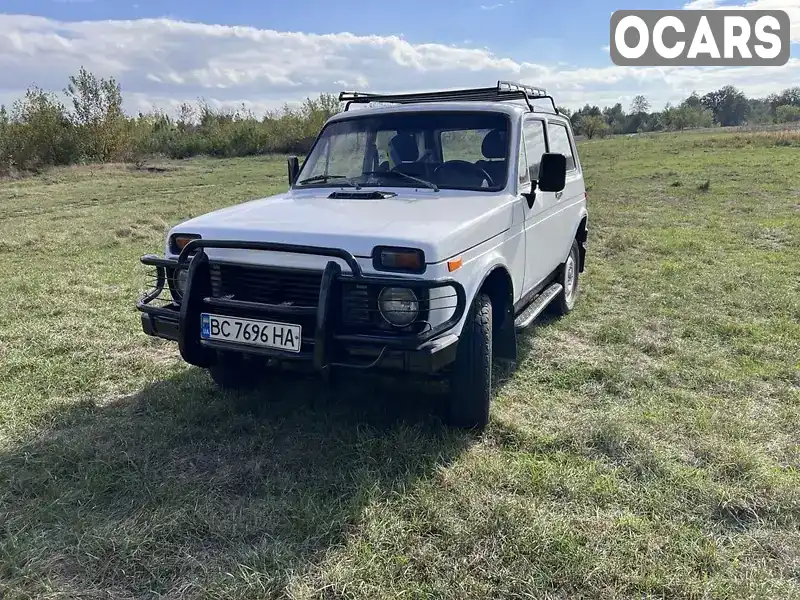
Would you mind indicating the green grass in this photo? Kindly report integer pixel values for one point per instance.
(648, 445)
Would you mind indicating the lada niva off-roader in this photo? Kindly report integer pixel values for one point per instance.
(419, 236)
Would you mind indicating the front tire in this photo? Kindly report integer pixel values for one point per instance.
(568, 278)
(471, 378)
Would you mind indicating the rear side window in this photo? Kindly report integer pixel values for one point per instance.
(559, 143)
(534, 145)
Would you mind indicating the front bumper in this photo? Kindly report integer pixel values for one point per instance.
(329, 345)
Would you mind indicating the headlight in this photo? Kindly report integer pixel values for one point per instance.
(399, 306)
(177, 283)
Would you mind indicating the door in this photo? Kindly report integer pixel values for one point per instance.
(539, 251)
(566, 205)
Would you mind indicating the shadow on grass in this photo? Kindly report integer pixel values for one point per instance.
(178, 486)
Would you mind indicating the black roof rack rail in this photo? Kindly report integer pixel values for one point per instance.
(502, 92)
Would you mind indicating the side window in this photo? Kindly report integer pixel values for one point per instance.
(534, 145)
(559, 143)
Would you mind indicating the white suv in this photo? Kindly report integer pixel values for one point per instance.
(419, 236)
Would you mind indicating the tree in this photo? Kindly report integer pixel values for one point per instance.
(586, 111)
(787, 113)
(97, 113)
(640, 105)
(759, 111)
(728, 105)
(615, 117)
(788, 97)
(693, 101)
(593, 125)
(678, 118)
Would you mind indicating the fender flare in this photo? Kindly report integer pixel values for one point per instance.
(504, 333)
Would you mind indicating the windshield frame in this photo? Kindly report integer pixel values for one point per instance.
(334, 183)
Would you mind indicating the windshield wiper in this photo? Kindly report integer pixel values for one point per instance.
(324, 178)
(427, 184)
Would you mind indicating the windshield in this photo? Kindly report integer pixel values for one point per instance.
(451, 150)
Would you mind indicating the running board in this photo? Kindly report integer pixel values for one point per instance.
(535, 308)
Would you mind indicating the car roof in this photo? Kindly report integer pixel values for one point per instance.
(495, 107)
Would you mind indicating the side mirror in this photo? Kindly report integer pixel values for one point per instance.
(294, 169)
(552, 172)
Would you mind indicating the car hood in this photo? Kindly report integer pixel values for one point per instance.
(442, 224)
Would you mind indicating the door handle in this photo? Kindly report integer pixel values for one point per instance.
(558, 195)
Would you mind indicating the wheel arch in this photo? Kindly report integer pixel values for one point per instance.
(499, 286)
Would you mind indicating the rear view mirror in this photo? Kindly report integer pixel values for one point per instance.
(552, 172)
(294, 169)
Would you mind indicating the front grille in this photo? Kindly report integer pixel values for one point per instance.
(293, 287)
(359, 304)
(266, 285)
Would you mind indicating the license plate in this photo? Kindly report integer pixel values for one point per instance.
(255, 333)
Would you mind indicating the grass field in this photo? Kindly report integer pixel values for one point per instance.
(647, 446)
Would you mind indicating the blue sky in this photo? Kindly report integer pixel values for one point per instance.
(168, 51)
(482, 23)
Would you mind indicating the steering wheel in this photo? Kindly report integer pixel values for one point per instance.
(462, 170)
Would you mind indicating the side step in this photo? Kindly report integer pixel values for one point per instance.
(535, 308)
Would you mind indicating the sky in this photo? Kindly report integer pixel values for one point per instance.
(264, 53)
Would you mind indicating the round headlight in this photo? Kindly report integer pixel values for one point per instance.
(399, 306)
(179, 278)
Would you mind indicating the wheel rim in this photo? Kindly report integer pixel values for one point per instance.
(570, 278)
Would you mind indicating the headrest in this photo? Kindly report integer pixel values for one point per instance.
(404, 147)
(494, 144)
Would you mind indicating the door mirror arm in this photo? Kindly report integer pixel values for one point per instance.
(531, 196)
(528, 191)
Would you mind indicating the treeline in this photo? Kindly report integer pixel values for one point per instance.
(725, 107)
(39, 130)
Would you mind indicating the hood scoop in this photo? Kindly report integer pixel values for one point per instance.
(355, 195)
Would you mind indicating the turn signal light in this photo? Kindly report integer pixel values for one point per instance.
(179, 241)
(398, 259)
(455, 264)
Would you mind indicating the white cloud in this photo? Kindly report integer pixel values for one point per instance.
(162, 62)
(700, 5)
(792, 7)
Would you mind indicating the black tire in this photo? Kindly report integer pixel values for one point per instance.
(232, 372)
(471, 377)
(565, 301)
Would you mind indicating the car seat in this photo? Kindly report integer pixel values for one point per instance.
(404, 153)
(494, 149)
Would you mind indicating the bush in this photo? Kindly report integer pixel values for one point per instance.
(37, 133)
(40, 131)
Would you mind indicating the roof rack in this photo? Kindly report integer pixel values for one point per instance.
(502, 92)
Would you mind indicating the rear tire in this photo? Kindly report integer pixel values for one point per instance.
(568, 278)
(232, 372)
(471, 378)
